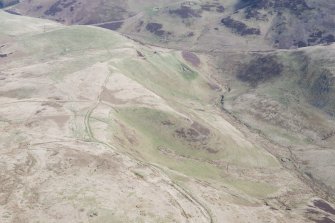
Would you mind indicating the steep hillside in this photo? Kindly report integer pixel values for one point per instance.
(84, 11)
(90, 119)
(201, 24)
(297, 23)
(289, 97)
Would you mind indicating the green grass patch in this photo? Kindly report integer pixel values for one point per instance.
(72, 41)
(255, 189)
(187, 72)
(158, 144)
(165, 75)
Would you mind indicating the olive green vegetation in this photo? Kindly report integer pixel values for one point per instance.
(69, 49)
(164, 74)
(156, 134)
(159, 144)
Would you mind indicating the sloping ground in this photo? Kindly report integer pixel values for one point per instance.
(85, 11)
(238, 25)
(97, 128)
(289, 97)
(297, 23)
(202, 25)
(75, 11)
(195, 25)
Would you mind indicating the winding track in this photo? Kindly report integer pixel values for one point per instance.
(206, 214)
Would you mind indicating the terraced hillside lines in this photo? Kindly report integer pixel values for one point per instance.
(99, 128)
(91, 110)
(167, 183)
(206, 214)
(88, 128)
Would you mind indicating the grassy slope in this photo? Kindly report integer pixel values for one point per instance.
(163, 74)
(69, 50)
(282, 25)
(288, 109)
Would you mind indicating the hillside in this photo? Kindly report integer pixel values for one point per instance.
(288, 96)
(90, 119)
(84, 11)
(201, 25)
(190, 111)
